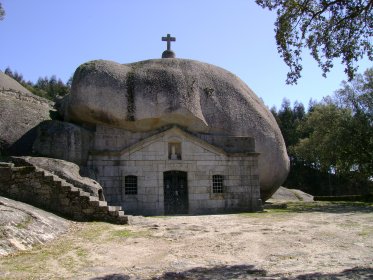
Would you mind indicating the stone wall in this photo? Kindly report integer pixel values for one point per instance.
(47, 191)
(149, 159)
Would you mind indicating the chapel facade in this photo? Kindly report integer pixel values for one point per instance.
(172, 171)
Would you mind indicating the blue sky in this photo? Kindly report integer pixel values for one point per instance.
(44, 38)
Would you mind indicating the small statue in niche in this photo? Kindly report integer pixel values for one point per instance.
(174, 151)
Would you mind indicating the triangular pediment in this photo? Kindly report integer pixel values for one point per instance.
(171, 134)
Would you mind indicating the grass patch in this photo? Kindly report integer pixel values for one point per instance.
(94, 231)
(67, 252)
(123, 233)
(35, 261)
(128, 234)
(366, 232)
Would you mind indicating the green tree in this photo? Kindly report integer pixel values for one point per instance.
(339, 138)
(357, 96)
(328, 28)
(52, 86)
(15, 75)
(45, 87)
(288, 120)
(328, 142)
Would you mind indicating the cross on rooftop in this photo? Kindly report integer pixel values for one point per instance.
(169, 39)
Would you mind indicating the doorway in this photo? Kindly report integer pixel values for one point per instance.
(175, 192)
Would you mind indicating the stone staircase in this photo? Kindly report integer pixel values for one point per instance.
(43, 189)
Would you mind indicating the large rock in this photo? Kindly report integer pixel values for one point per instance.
(23, 226)
(20, 112)
(197, 96)
(63, 140)
(289, 195)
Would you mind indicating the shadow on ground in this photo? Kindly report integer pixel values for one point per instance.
(217, 272)
(354, 273)
(247, 272)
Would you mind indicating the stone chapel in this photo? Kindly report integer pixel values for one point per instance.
(168, 136)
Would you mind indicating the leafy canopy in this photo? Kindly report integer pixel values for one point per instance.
(341, 129)
(331, 145)
(329, 29)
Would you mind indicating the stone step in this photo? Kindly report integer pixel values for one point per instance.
(51, 177)
(74, 189)
(83, 193)
(114, 208)
(121, 213)
(93, 198)
(121, 220)
(116, 213)
(58, 183)
(66, 186)
(98, 203)
(48, 177)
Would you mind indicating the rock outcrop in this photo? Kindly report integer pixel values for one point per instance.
(63, 140)
(287, 195)
(22, 226)
(200, 97)
(20, 112)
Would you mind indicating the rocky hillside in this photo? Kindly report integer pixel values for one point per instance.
(20, 113)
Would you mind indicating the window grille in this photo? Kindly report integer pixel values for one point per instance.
(217, 184)
(130, 184)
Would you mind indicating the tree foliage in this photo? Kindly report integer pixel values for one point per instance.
(47, 87)
(331, 146)
(327, 146)
(328, 28)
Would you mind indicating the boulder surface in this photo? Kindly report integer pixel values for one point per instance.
(20, 112)
(22, 226)
(198, 96)
(290, 195)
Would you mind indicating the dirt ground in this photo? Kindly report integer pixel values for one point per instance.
(304, 241)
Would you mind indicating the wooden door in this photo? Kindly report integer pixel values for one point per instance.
(175, 192)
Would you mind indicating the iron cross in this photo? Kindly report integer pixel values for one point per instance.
(169, 39)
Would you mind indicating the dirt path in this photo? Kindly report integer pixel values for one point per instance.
(332, 240)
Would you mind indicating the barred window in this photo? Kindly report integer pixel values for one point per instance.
(217, 184)
(130, 184)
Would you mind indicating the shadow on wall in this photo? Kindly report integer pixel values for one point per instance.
(23, 146)
(247, 272)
